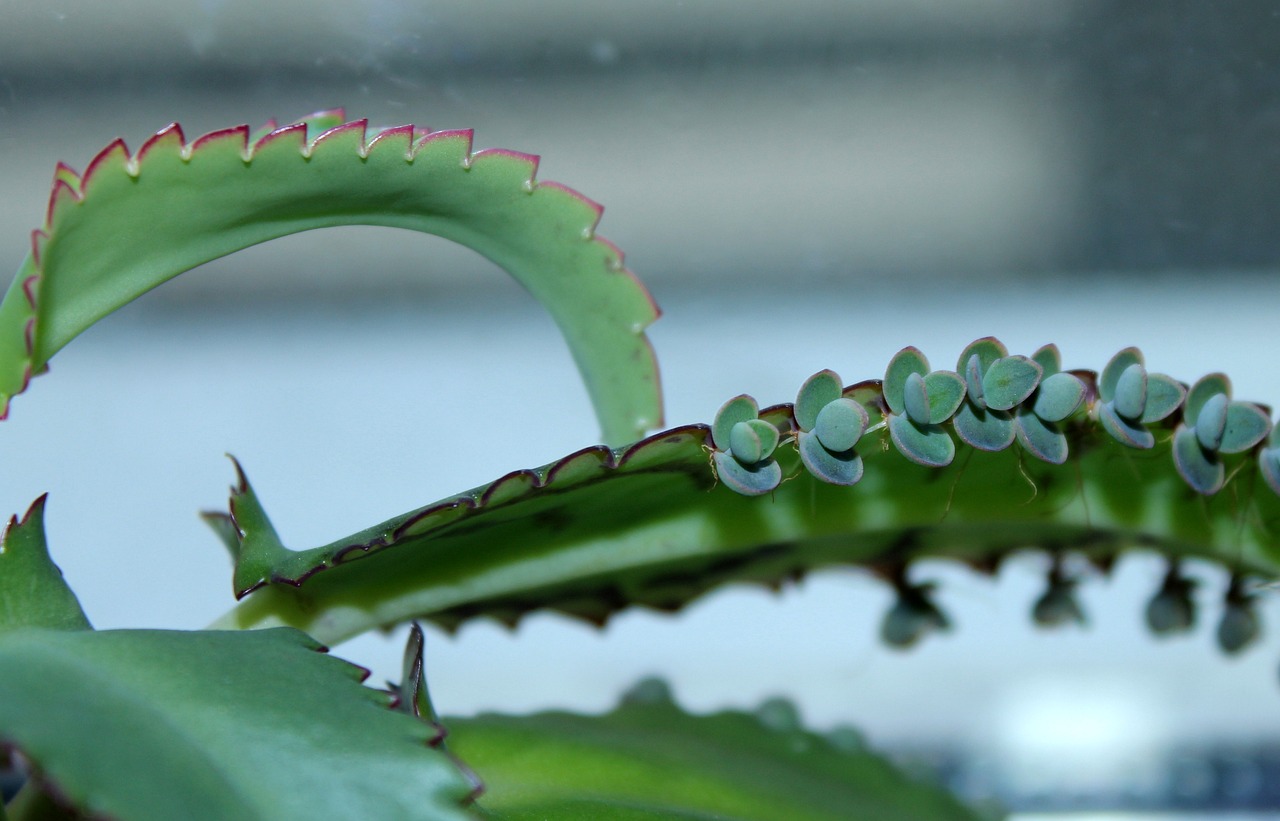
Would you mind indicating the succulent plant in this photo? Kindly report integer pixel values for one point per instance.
(830, 426)
(744, 445)
(920, 401)
(1131, 398)
(1214, 425)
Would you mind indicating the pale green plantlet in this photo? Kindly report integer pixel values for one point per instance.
(830, 425)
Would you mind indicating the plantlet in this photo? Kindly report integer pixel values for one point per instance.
(246, 723)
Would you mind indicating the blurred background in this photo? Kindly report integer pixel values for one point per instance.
(839, 178)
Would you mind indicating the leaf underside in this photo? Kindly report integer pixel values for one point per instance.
(601, 530)
(149, 724)
(182, 204)
(652, 762)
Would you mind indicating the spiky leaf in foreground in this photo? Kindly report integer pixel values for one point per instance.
(32, 590)
(650, 761)
(149, 724)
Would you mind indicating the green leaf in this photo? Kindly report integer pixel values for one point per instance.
(816, 393)
(1246, 426)
(1164, 395)
(1058, 397)
(840, 425)
(738, 409)
(904, 363)
(988, 430)
(1049, 358)
(1205, 388)
(925, 445)
(1110, 378)
(1131, 392)
(748, 480)
(148, 724)
(745, 444)
(988, 350)
(1041, 439)
(1124, 431)
(182, 204)
(32, 590)
(946, 393)
(843, 468)
(1009, 381)
(915, 399)
(1211, 422)
(1198, 467)
(601, 529)
(649, 761)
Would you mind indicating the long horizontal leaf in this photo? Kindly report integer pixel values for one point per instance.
(650, 761)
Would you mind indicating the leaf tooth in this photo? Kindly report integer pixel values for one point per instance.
(352, 134)
(292, 137)
(169, 138)
(397, 138)
(223, 136)
(114, 155)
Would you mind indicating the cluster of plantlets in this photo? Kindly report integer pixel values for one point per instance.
(878, 474)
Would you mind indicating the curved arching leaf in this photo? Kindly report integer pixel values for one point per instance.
(182, 203)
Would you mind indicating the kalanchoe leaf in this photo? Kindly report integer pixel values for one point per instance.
(753, 441)
(904, 363)
(833, 468)
(1205, 388)
(1211, 422)
(649, 690)
(738, 409)
(974, 361)
(182, 203)
(1049, 358)
(972, 372)
(1269, 464)
(748, 481)
(1164, 396)
(648, 760)
(1238, 628)
(816, 393)
(1110, 377)
(930, 445)
(1009, 381)
(121, 721)
(1200, 469)
(1247, 425)
(780, 715)
(989, 430)
(841, 424)
(946, 393)
(1124, 431)
(32, 590)
(1172, 609)
(1240, 625)
(745, 444)
(915, 399)
(1131, 392)
(1040, 438)
(1058, 397)
(1057, 605)
(912, 617)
